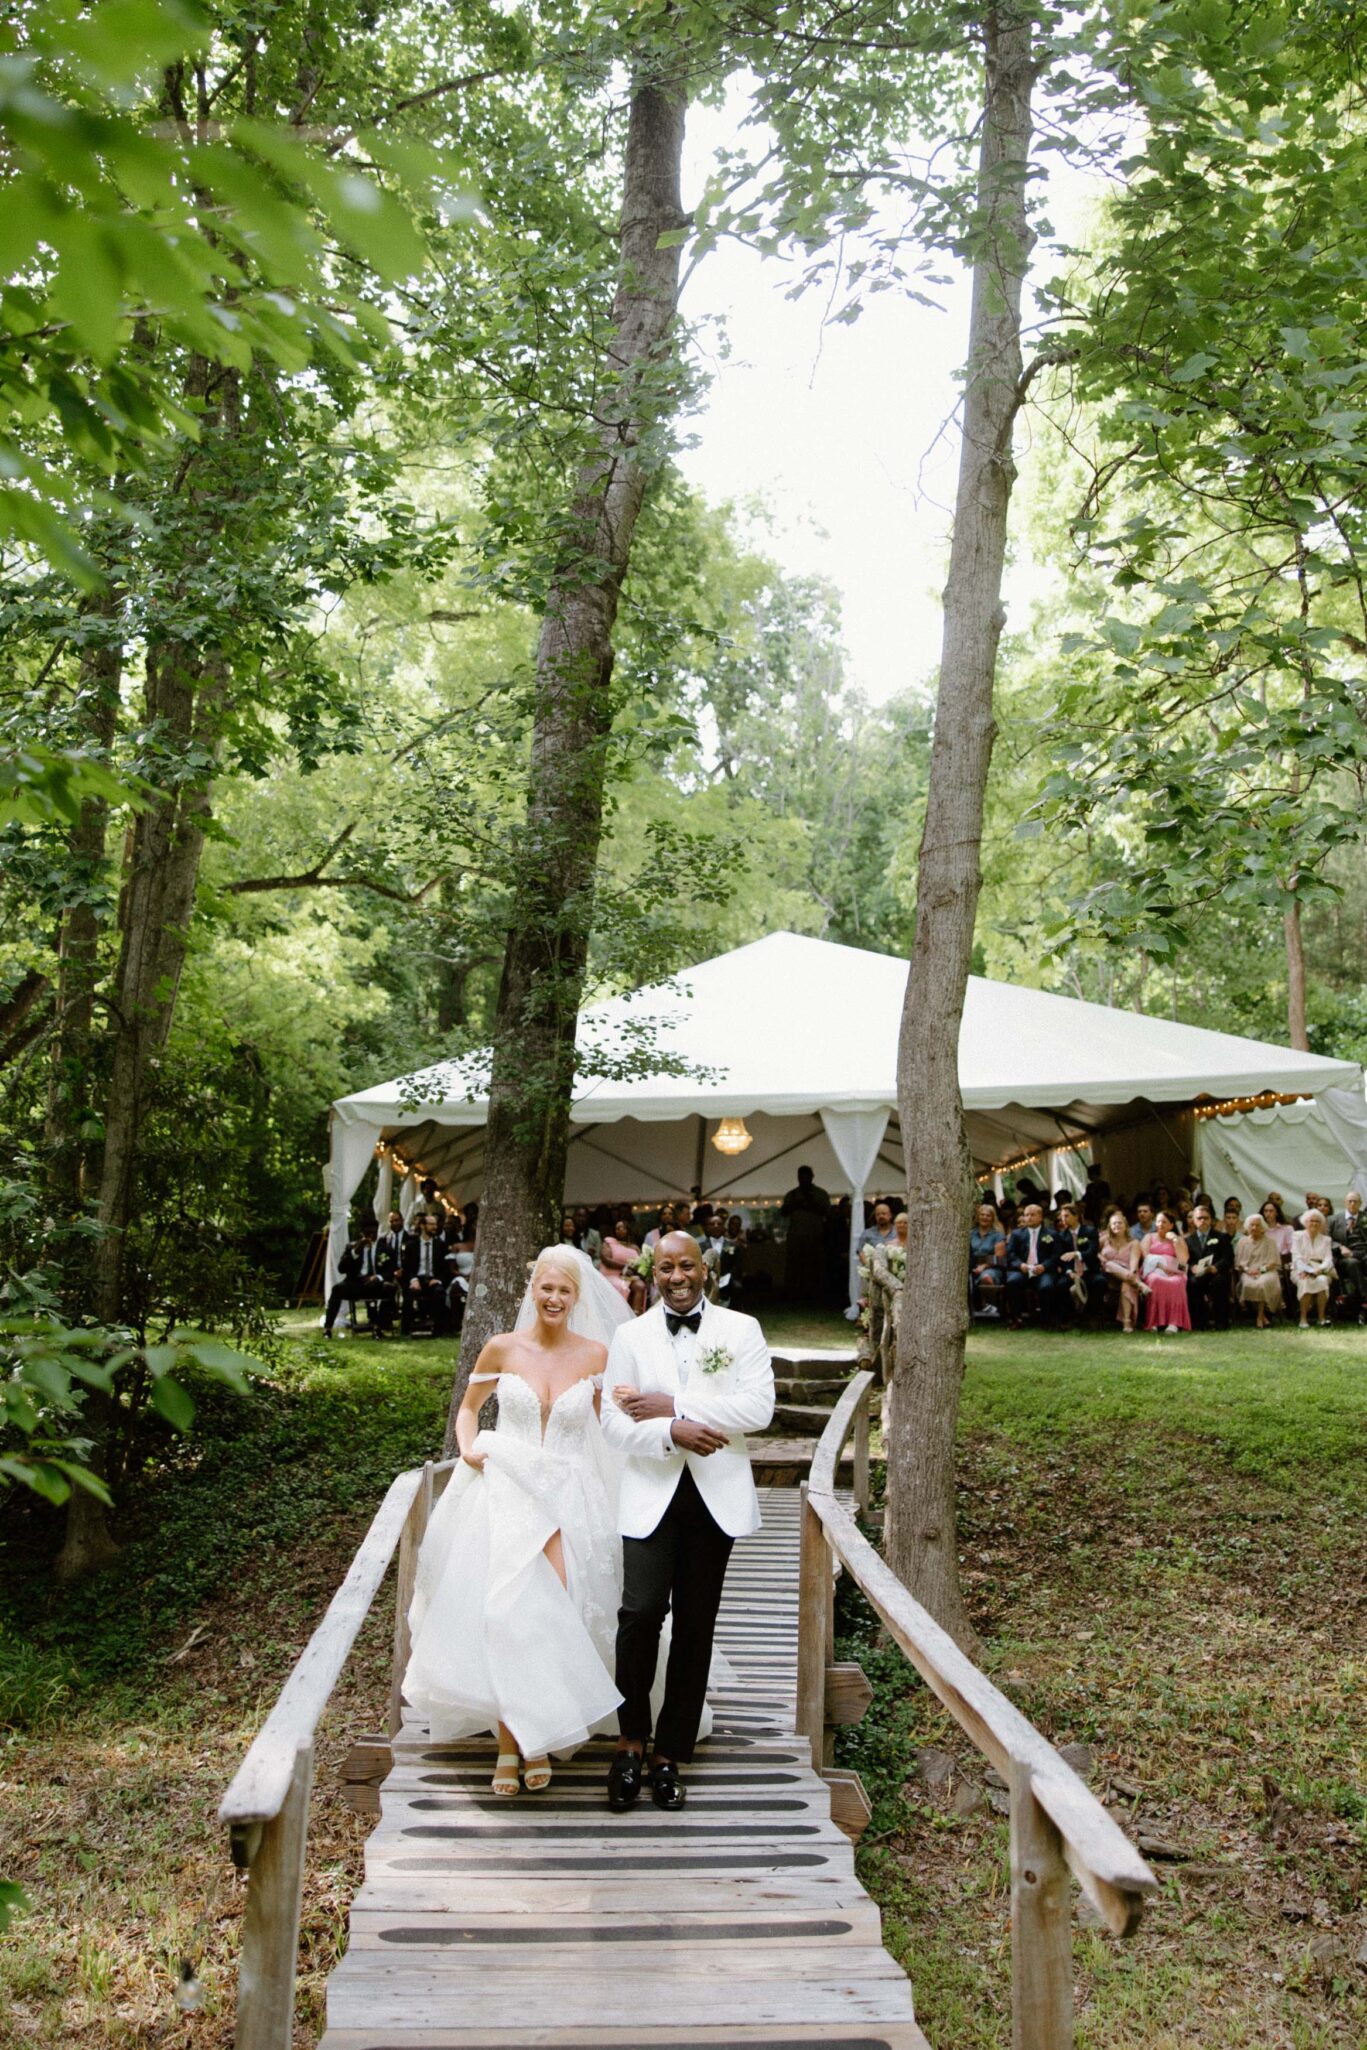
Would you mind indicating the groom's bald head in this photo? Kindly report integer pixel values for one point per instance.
(678, 1270)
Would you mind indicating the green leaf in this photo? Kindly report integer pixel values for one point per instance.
(13, 1901)
(170, 1401)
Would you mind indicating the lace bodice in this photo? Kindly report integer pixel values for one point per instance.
(563, 1429)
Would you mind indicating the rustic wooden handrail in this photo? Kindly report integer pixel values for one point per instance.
(266, 1807)
(1057, 1823)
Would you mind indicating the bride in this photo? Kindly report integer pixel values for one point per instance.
(515, 1607)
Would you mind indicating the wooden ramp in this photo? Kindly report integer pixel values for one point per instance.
(486, 1924)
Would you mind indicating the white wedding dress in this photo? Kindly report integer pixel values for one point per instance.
(496, 1635)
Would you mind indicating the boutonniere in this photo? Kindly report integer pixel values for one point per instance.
(716, 1360)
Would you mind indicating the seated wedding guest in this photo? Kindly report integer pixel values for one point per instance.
(1348, 1230)
(986, 1257)
(389, 1244)
(901, 1225)
(1032, 1270)
(471, 1222)
(880, 1232)
(1118, 1261)
(425, 1280)
(734, 1259)
(1232, 1218)
(590, 1237)
(1312, 1266)
(1143, 1217)
(1258, 1264)
(1080, 1261)
(1210, 1267)
(713, 1247)
(1060, 1198)
(1163, 1267)
(427, 1198)
(569, 1229)
(1274, 1217)
(1162, 1200)
(358, 1281)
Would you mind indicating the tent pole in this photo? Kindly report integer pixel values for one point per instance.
(700, 1157)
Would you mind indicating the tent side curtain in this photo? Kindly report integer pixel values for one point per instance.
(353, 1150)
(1290, 1147)
(856, 1137)
(1345, 1113)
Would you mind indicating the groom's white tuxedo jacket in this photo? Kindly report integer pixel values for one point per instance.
(736, 1397)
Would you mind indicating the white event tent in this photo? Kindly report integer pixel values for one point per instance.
(798, 1037)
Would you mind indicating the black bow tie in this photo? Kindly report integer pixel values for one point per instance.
(677, 1323)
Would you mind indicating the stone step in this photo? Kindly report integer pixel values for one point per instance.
(781, 1461)
(794, 1388)
(812, 1363)
(801, 1419)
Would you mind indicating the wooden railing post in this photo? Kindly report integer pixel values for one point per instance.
(270, 1926)
(1041, 1926)
(861, 1455)
(813, 1598)
(410, 1544)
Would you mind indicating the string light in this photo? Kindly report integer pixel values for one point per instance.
(1239, 1106)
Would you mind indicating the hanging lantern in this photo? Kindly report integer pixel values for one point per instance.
(731, 1136)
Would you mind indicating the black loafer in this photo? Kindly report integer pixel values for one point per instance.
(624, 1781)
(666, 1790)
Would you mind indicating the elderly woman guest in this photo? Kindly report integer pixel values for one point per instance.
(900, 1227)
(1119, 1261)
(1259, 1267)
(1163, 1265)
(1312, 1266)
(986, 1250)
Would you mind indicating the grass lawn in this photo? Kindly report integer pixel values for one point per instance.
(1165, 1550)
(1164, 1547)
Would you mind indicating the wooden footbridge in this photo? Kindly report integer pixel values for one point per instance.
(739, 1924)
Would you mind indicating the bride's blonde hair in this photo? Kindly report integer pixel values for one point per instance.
(562, 1259)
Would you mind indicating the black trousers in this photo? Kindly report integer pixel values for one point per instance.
(681, 1565)
(1208, 1300)
(372, 1292)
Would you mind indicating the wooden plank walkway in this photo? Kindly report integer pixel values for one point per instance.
(486, 1924)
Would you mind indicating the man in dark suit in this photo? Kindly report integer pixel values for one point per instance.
(389, 1263)
(424, 1278)
(1033, 1253)
(358, 1281)
(1210, 1271)
(1348, 1230)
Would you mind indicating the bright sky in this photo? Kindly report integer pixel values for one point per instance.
(846, 432)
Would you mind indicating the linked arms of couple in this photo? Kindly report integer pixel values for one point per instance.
(657, 1424)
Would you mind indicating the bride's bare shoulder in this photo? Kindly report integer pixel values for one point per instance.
(593, 1357)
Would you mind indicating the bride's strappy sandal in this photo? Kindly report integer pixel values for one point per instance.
(505, 1779)
(536, 1775)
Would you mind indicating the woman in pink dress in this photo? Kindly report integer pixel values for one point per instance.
(1163, 1265)
(1119, 1257)
(617, 1265)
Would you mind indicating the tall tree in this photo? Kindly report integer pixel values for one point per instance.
(924, 1399)
(552, 904)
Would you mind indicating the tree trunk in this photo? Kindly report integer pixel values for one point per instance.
(922, 1541)
(1295, 978)
(185, 695)
(70, 1095)
(546, 951)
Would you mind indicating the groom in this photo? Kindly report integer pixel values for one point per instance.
(684, 1383)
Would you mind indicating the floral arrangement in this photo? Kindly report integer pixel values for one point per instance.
(716, 1359)
(645, 1266)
